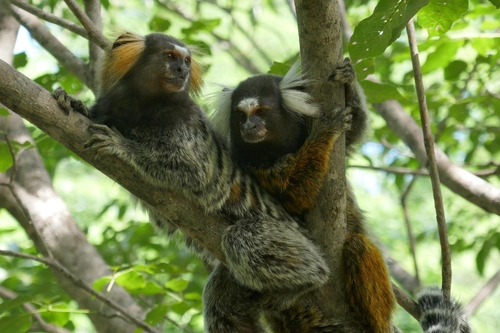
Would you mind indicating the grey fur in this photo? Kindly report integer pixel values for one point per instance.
(441, 315)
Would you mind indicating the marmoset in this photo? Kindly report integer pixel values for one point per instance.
(264, 119)
(271, 260)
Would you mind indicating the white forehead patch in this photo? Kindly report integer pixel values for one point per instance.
(182, 50)
(247, 105)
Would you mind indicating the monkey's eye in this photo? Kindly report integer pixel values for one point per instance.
(169, 56)
(260, 112)
(187, 61)
(242, 115)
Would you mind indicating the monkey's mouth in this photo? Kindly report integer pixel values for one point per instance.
(176, 83)
(254, 136)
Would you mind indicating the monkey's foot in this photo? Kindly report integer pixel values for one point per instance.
(343, 73)
(68, 103)
(105, 141)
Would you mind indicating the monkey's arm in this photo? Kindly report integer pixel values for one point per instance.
(297, 178)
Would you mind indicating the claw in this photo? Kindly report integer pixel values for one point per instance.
(343, 73)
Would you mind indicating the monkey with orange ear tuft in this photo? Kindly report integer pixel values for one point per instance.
(271, 260)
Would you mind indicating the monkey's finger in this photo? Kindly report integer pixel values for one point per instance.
(63, 100)
(96, 141)
(99, 128)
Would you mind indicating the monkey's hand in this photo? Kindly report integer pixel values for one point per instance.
(68, 103)
(343, 73)
(105, 141)
(332, 123)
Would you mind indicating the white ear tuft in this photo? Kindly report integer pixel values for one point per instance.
(221, 106)
(295, 99)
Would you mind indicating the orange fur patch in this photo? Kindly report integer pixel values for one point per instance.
(120, 58)
(197, 70)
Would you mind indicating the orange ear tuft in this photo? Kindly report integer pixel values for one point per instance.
(120, 58)
(197, 70)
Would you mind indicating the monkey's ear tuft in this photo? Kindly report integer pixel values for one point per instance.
(294, 98)
(119, 59)
(197, 70)
(220, 103)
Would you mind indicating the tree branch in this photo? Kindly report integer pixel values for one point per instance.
(49, 328)
(94, 32)
(67, 24)
(432, 166)
(321, 50)
(51, 262)
(96, 53)
(462, 182)
(411, 235)
(486, 291)
(43, 36)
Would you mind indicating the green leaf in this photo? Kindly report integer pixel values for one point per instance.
(495, 3)
(454, 69)
(177, 285)
(15, 324)
(485, 46)
(56, 314)
(4, 112)
(151, 289)
(5, 157)
(156, 315)
(20, 60)
(180, 308)
(439, 15)
(364, 68)
(131, 280)
(482, 255)
(101, 283)
(159, 24)
(193, 296)
(279, 68)
(372, 35)
(379, 92)
(14, 303)
(442, 56)
(201, 25)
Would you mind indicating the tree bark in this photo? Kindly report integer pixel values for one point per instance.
(321, 49)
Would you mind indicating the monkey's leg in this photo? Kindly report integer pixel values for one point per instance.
(228, 306)
(275, 258)
(368, 287)
(68, 103)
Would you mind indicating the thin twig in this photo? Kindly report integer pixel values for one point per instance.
(243, 31)
(51, 262)
(411, 235)
(486, 291)
(95, 35)
(406, 302)
(49, 328)
(43, 36)
(67, 24)
(395, 170)
(429, 147)
(239, 56)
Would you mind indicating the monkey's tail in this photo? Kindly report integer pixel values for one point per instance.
(368, 286)
(439, 314)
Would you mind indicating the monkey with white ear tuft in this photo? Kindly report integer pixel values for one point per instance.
(265, 121)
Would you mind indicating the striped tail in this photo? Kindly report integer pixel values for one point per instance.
(440, 315)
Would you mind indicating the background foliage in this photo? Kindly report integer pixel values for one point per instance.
(458, 43)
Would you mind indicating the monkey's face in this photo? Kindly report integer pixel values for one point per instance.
(256, 113)
(177, 68)
(164, 67)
